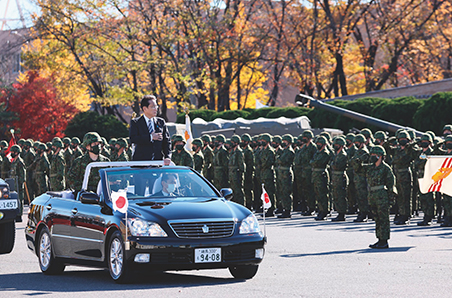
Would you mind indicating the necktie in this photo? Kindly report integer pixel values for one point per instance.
(150, 127)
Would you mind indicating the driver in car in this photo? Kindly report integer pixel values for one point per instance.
(168, 186)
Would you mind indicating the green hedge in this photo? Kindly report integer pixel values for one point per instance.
(107, 126)
(421, 114)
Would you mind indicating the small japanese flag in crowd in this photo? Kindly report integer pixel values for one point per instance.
(120, 202)
(437, 175)
(188, 136)
(265, 199)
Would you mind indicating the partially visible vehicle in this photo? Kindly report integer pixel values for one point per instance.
(175, 220)
(9, 213)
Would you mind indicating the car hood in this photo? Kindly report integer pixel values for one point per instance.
(186, 208)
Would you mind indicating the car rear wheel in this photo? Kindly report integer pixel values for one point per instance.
(7, 237)
(47, 262)
(244, 271)
(117, 264)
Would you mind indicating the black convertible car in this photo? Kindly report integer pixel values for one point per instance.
(173, 219)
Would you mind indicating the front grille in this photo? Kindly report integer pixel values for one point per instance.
(238, 255)
(203, 230)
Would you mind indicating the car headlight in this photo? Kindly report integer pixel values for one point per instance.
(249, 225)
(139, 227)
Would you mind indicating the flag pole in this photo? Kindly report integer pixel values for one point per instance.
(263, 210)
(127, 244)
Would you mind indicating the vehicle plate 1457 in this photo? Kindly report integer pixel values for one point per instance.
(8, 204)
(207, 255)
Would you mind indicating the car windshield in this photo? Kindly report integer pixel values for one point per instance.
(157, 183)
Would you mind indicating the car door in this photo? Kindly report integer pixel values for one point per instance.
(59, 221)
(87, 228)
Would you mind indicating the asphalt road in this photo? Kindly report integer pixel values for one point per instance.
(304, 258)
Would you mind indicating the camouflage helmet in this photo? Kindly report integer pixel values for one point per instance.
(448, 138)
(42, 146)
(350, 136)
(255, 138)
(287, 137)
(206, 138)
(31, 141)
(27, 143)
(57, 142)
(392, 141)
(411, 134)
(66, 140)
(307, 134)
(246, 137)
(404, 135)
(75, 140)
(3, 144)
(197, 142)
(220, 138)
(398, 132)
(236, 139)
(326, 135)
(91, 137)
(359, 138)
(21, 142)
(447, 127)
(36, 144)
(381, 135)
(121, 142)
(178, 138)
(113, 141)
(265, 137)
(277, 139)
(229, 142)
(431, 133)
(16, 148)
(321, 139)
(426, 137)
(339, 141)
(366, 132)
(49, 145)
(379, 150)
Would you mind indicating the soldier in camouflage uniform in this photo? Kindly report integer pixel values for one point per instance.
(180, 156)
(403, 155)
(120, 154)
(257, 182)
(91, 141)
(21, 145)
(267, 162)
(29, 157)
(284, 176)
(381, 182)
(6, 164)
(352, 196)
(360, 157)
(41, 169)
(367, 133)
(67, 153)
(276, 143)
(320, 177)
(220, 163)
(19, 173)
(112, 146)
(76, 151)
(198, 157)
(105, 151)
(427, 200)
(207, 152)
(236, 169)
(248, 180)
(303, 172)
(57, 166)
(339, 179)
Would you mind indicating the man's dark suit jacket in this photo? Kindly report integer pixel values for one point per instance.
(144, 148)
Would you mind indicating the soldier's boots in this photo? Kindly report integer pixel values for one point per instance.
(362, 217)
(308, 213)
(352, 210)
(447, 222)
(426, 222)
(322, 215)
(402, 220)
(279, 210)
(380, 244)
(285, 214)
(339, 217)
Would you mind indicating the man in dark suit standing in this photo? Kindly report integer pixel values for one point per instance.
(149, 133)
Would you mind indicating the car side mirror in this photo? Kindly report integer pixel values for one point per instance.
(226, 193)
(89, 198)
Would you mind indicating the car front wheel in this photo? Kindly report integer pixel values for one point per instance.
(7, 237)
(244, 271)
(117, 264)
(47, 262)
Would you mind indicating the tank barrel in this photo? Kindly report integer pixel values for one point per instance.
(303, 100)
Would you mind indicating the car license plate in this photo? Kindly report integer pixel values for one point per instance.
(8, 204)
(207, 255)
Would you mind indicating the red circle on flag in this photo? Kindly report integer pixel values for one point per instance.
(120, 202)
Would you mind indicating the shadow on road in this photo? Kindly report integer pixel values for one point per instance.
(358, 251)
(99, 280)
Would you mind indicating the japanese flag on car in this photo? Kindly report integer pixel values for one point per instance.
(120, 202)
(437, 176)
(265, 199)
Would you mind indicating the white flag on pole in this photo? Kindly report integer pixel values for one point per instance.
(188, 135)
(437, 176)
(265, 199)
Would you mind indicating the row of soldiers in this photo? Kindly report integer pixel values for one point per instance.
(319, 174)
(39, 167)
